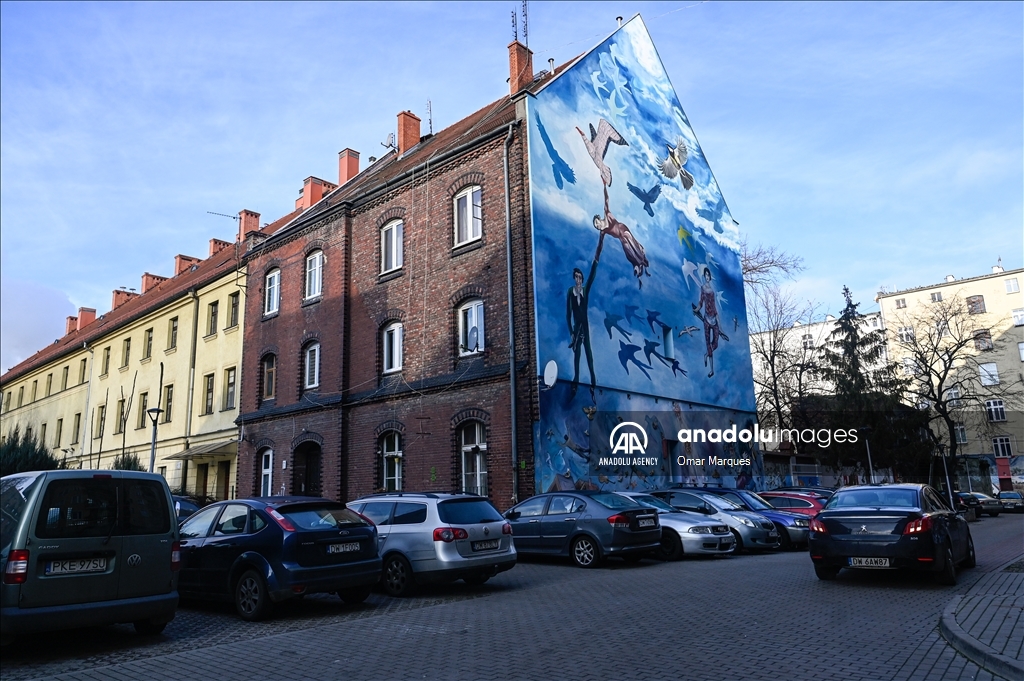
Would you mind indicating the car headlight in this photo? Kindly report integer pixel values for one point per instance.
(802, 523)
(747, 521)
(700, 529)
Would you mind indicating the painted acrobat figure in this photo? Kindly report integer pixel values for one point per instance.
(577, 301)
(708, 304)
(631, 248)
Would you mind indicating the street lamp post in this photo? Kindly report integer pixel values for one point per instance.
(154, 414)
(949, 486)
(871, 468)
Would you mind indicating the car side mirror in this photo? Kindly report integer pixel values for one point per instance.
(707, 510)
(512, 515)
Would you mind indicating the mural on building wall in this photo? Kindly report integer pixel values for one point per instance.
(638, 288)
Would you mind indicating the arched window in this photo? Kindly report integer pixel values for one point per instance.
(391, 246)
(468, 208)
(473, 447)
(272, 292)
(266, 462)
(391, 341)
(391, 451)
(471, 327)
(314, 275)
(268, 376)
(311, 367)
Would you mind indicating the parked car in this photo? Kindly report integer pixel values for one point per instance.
(184, 507)
(428, 538)
(86, 548)
(989, 505)
(821, 492)
(752, 531)
(792, 527)
(967, 503)
(795, 502)
(257, 552)
(684, 533)
(1012, 501)
(890, 527)
(588, 526)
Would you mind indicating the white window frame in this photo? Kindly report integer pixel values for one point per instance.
(1020, 349)
(314, 275)
(905, 334)
(474, 458)
(311, 367)
(1011, 285)
(392, 255)
(901, 303)
(392, 338)
(936, 297)
(471, 314)
(988, 373)
(995, 410)
(953, 396)
(1018, 316)
(807, 340)
(391, 451)
(960, 433)
(1001, 446)
(272, 292)
(473, 215)
(910, 367)
(267, 473)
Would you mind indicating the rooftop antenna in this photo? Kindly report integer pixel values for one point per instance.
(515, 28)
(619, 21)
(430, 118)
(526, 23)
(223, 215)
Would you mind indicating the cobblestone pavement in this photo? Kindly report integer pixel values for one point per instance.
(745, 617)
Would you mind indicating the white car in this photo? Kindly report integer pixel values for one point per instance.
(685, 533)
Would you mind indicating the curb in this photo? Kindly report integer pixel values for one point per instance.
(975, 650)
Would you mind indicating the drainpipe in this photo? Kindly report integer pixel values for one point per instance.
(86, 427)
(511, 321)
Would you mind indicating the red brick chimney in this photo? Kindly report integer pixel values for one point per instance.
(313, 189)
(183, 262)
(348, 165)
(150, 281)
(408, 131)
(248, 221)
(520, 67)
(70, 325)
(121, 297)
(217, 245)
(86, 316)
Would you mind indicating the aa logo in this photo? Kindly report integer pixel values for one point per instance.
(628, 438)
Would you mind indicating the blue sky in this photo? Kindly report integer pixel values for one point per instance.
(882, 143)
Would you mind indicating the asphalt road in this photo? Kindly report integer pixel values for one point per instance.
(743, 617)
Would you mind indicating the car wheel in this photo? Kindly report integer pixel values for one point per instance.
(826, 573)
(398, 578)
(252, 599)
(355, 596)
(671, 546)
(948, 575)
(149, 627)
(971, 560)
(739, 542)
(785, 542)
(585, 552)
(477, 579)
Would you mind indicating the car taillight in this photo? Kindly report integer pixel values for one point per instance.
(918, 526)
(450, 534)
(619, 521)
(364, 518)
(818, 526)
(175, 556)
(285, 524)
(506, 529)
(17, 567)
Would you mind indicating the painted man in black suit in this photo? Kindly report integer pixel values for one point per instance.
(576, 303)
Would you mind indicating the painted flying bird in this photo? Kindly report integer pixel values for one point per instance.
(595, 78)
(627, 354)
(559, 167)
(611, 321)
(676, 367)
(648, 197)
(684, 235)
(590, 411)
(735, 323)
(672, 165)
(631, 314)
(688, 330)
(598, 143)
(652, 319)
(651, 348)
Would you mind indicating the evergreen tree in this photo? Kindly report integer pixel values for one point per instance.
(20, 453)
(127, 462)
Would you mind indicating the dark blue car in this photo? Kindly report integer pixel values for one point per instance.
(262, 551)
(793, 527)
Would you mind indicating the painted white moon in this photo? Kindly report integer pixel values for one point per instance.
(550, 373)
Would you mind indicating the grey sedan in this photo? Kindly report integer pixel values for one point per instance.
(752, 531)
(989, 505)
(685, 533)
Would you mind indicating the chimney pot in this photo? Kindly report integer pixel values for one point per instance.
(520, 67)
(183, 262)
(70, 324)
(151, 281)
(408, 131)
(86, 316)
(950, 278)
(121, 296)
(313, 189)
(217, 245)
(348, 165)
(248, 221)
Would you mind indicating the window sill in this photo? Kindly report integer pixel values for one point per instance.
(230, 329)
(123, 368)
(145, 360)
(312, 301)
(206, 413)
(209, 337)
(102, 376)
(389, 275)
(171, 351)
(467, 247)
(271, 315)
(228, 409)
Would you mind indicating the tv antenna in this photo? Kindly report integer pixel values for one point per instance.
(515, 29)
(223, 215)
(430, 118)
(526, 23)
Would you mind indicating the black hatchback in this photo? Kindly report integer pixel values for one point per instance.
(262, 551)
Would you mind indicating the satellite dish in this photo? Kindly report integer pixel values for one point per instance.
(550, 373)
(474, 340)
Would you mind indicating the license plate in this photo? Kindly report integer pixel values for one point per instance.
(486, 545)
(773, 534)
(869, 562)
(646, 522)
(68, 567)
(350, 547)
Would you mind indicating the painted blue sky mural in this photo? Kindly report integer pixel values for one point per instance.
(636, 266)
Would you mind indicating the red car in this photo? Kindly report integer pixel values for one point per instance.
(794, 502)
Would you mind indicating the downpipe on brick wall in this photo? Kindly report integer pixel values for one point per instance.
(511, 320)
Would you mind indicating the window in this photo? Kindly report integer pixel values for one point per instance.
(233, 310)
(1020, 350)
(942, 328)
(311, 367)
(960, 432)
(807, 340)
(28, 433)
(905, 334)
(35, 389)
(49, 384)
(474, 458)
(391, 256)
(172, 333)
(126, 351)
(471, 327)
(392, 339)
(995, 410)
(105, 364)
(975, 304)
(58, 432)
(989, 373)
(937, 297)
(42, 435)
(81, 368)
(272, 292)
(953, 396)
(208, 391)
(468, 215)
(140, 422)
(1011, 285)
(267, 472)
(874, 325)
(901, 303)
(229, 388)
(910, 367)
(314, 274)
(983, 340)
(211, 317)
(21, 395)
(168, 402)
(7, 402)
(391, 450)
(1018, 316)
(1001, 446)
(269, 370)
(101, 419)
(64, 378)
(924, 405)
(119, 425)
(76, 428)
(162, 470)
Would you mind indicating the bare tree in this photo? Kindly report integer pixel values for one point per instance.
(766, 266)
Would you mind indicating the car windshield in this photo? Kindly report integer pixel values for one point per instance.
(321, 516)
(614, 501)
(1009, 495)
(757, 502)
(889, 498)
(14, 491)
(721, 503)
(467, 512)
(654, 502)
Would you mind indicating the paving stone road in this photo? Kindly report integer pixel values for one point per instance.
(745, 617)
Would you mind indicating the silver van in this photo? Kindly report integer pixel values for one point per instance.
(84, 548)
